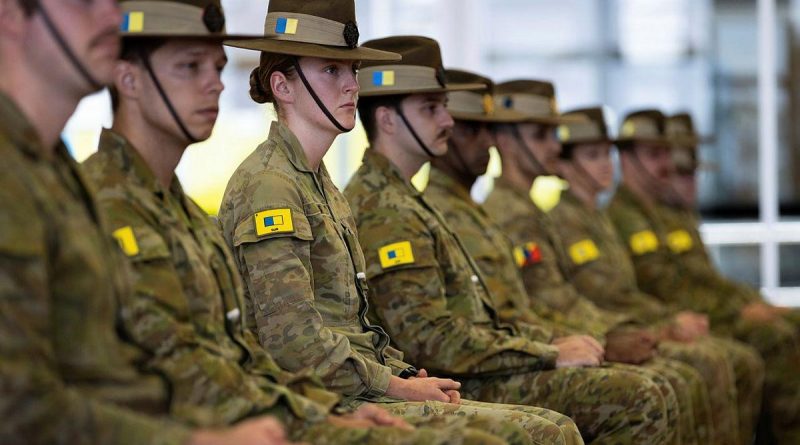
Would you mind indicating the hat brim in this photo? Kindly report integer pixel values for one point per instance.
(302, 49)
(643, 140)
(552, 120)
(203, 37)
(591, 141)
(448, 88)
(498, 117)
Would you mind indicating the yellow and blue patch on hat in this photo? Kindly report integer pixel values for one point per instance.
(274, 221)
(395, 254)
(132, 21)
(383, 78)
(286, 25)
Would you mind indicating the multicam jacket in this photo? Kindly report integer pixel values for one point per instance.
(427, 291)
(491, 250)
(187, 309)
(66, 375)
(597, 262)
(659, 271)
(294, 242)
(537, 249)
(684, 240)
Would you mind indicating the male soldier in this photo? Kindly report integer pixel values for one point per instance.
(430, 296)
(597, 264)
(451, 178)
(647, 166)
(294, 238)
(677, 208)
(66, 376)
(187, 306)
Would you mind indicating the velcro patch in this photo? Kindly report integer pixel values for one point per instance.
(127, 240)
(396, 254)
(583, 252)
(643, 242)
(680, 241)
(274, 221)
(527, 254)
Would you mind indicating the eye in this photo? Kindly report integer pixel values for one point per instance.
(331, 69)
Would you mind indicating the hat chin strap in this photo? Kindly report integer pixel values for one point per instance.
(66, 50)
(528, 153)
(161, 92)
(585, 174)
(414, 134)
(316, 98)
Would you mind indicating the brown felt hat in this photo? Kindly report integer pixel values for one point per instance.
(420, 71)
(476, 106)
(589, 128)
(312, 28)
(179, 19)
(648, 126)
(681, 131)
(535, 99)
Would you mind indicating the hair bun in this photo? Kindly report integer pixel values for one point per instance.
(257, 92)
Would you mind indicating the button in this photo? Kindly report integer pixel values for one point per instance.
(474, 279)
(361, 276)
(233, 314)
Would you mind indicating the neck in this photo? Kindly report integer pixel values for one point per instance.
(408, 163)
(160, 150)
(456, 173)
(46, 105)
(314, 140)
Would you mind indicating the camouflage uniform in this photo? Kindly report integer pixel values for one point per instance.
(294, 242)
(432, 299)
(492, 251)
(606, 276)
(65, 375)
(659, 272)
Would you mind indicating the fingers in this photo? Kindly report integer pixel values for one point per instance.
(422, 373)
(594, 344)
(445, 384)
(455, 396)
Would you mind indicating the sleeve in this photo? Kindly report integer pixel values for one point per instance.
(37, 406)
(158, 318)
(412, 303)
(276, 268)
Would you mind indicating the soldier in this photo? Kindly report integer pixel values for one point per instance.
(647, 165)
(452, 176)
(597, 264)
(66, 375)
(294, 239)
(187, 305)
(677, 209)
(430, 296)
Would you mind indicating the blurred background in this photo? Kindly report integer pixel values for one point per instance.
(733, 64)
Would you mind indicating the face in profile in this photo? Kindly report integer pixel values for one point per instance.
(335, 83)
(595, 160)
(472, 140)
(428, 115)
(541, 140)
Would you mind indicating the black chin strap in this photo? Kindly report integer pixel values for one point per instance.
(425, 148)
(316, 98)
(67, 50)
(528, 153)
(585, 174)
(149, 68)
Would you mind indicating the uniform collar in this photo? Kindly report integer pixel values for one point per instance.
(444, 181)
(129, 161)
(16, 126)
(293, 148)
(387, 173)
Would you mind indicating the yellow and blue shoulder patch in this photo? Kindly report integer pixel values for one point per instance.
(396, 254)
(274, 221)
(127, 240)
(643, 242)
(132, 22)
(679, 241)
(583, 252)
(527, 254)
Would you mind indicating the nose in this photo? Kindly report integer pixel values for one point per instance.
(110, 13)
(351, 83)
(445, 120)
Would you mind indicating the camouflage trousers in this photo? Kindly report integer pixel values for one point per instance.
(716, 371)
(609, 405)
(779, 346)
(695, 424)
(516, 424)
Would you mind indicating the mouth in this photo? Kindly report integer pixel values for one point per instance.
(349, 106)
(210, 113)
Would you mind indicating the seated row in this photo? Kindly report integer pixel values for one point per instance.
(279, 311)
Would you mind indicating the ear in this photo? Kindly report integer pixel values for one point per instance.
(386, 120)
(282, 89)
(127, 80)
(12, 19)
